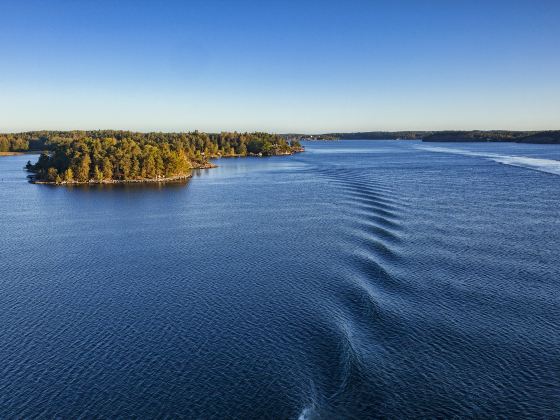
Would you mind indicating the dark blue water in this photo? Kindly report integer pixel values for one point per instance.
(358, 279)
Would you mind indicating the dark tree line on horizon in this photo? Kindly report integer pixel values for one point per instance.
(107, 156)
(443, 136)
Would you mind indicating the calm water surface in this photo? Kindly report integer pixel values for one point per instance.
(358, 279)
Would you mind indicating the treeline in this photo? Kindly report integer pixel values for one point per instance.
(365, 135)
(13, 143)
(477, 136)
(543, 137)
(382, 135)
(443, 136)
(27, 142)
(109, 156)
(313, 137)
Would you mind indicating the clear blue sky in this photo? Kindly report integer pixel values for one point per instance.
(281, 66)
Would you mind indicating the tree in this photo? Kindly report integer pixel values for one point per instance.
(69, 175)
(97, 174)
(83, 169)
(4, 145)
(295, 144)
(107, 169)
(52, 174)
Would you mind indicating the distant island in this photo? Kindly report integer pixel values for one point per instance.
(548, 137)
(107, 156)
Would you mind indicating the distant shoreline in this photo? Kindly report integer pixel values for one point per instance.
(471, 136)
(11, 153)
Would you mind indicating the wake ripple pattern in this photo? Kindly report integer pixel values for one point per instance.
(372, 215)
(372, 225)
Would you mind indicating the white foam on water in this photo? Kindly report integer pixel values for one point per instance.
(549, 166)
(306, 413)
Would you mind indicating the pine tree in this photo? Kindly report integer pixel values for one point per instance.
(83, 169)
(107, 169)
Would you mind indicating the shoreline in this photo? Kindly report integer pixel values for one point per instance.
(11, 153)
(208, 165)
(177, 178)
(290, 153)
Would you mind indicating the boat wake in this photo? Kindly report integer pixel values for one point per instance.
(306, 414)
(362, 314)
(549, 166)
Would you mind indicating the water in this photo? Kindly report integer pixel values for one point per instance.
(358, 279)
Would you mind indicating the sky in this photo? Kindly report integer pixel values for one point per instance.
(280, 66)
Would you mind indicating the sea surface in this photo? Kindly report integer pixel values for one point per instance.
(360, 279)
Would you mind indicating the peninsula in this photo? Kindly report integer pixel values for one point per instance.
(107, 156)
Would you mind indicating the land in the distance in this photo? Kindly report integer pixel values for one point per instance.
(107, 156)
(550, 137)
(10, 153)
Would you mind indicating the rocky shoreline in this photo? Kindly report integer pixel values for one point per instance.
(113, 181)
(177, 178)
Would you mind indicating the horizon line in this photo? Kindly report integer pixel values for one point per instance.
(275, 132)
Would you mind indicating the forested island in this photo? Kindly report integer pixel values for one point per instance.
(107, 156)
(380, 135)
(486, 136)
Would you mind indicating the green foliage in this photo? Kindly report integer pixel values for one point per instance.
(13, 143)
(68, 175)
(97, 174)
(52, 174)
(104, 156)
(477, 136)
(296, 144)
(107, 168)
